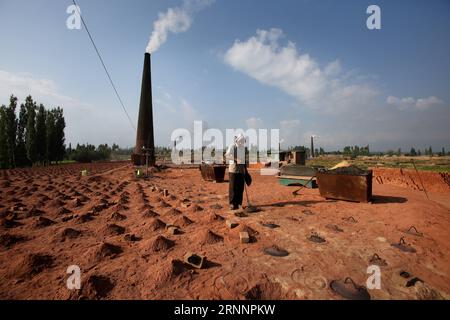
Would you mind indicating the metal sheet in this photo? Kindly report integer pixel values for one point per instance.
(349, 187)
(213, 172)
(297, 170)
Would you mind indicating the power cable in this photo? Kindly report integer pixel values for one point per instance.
(104, 67)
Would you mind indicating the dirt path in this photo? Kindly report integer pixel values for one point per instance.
(114, 227)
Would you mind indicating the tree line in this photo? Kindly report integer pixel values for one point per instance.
(33, 137)
(355, 151)
(86, 153)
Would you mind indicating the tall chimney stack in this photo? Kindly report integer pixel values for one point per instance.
(145, 143)
(312, 147)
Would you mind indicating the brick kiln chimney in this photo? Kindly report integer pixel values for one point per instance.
(145, 139)
(312, 147)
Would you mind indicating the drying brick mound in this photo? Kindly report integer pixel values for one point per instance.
(114, 230)
(5, 184)
(116, 216)
(183, 221)
(9, 223)
(163, 204)
(213, 217)
(120, 207)
(33, 264)
(209, 237)
(170, 270)
(89, 216)
(62, 211)
(69, 233)
(195, 208)
(157, 224)
(107, 250)
(34, 212)
(56, 203)
(97, 287)
(438, 182)
(265, 291)
(8, 240)
(148, 213)
(145, 206)
(173, 212)
(43, 222)
(161, 243)
(76, 203)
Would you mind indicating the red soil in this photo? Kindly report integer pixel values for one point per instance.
(438, 182)
(114, 227)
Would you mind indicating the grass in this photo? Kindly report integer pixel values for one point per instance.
(435, 164)
(63, 162)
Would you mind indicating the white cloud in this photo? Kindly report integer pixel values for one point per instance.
(187, 110)
(298, 74)
(254, 123)
(410, 103)
(289, 123)
(84, 121)
(333, 68)
(24, 84)
(174, 20)
(290, 132)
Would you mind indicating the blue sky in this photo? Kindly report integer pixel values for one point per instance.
(305, 67)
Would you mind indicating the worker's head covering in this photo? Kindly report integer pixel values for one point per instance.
(240, 140)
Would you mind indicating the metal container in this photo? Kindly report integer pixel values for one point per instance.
(341, 185)
(213, 172)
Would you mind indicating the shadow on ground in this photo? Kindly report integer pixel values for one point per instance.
(388, 199)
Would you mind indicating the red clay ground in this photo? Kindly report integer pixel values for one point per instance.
(114, 227)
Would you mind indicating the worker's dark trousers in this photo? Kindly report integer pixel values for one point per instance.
(236, 188)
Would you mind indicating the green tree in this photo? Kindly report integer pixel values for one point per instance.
(355, 152)
(11, 131)
(41, 135)
(21, 151)
(60, 139)
(413, 153)
(399, 152)
(30, 137)
(347, 151)
(51, 136)
(3, 139)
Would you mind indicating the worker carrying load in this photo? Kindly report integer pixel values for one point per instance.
(238, 174)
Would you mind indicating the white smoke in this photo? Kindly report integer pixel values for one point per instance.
(175, 20)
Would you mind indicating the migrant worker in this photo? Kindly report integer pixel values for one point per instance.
(237, 170)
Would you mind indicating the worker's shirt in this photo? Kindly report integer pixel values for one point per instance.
(236, 159)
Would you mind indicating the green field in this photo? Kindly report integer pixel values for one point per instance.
(436, 164)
